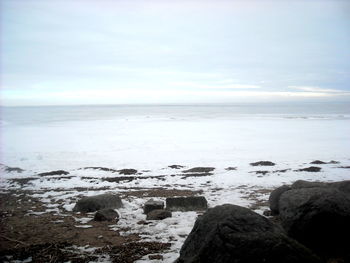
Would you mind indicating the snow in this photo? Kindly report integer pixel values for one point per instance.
(153, 142)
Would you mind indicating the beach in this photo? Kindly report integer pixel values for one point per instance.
(91, 146)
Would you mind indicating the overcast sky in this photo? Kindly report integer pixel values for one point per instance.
(106, 52)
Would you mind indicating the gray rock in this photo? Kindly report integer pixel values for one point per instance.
(307, 184)
(151, 205)
(97, 202)
(311, 169)
(318, 162)
(158, 214)
(58, 172)
(199, 170)
(318, 218)
(230, 233)
(263, 163)
(275, 197)
(191, 203)
(127, 171)
(107, 214)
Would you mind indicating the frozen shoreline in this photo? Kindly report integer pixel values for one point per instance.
(245, 186)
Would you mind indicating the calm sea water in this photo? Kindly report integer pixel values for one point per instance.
(45, 114)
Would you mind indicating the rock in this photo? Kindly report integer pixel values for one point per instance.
(231, 168)
(343, 186)
(199, 170)
(275, 197)
(313, 169)
(230, 233)
(267, 212)
(107, 214)
(151, 205)
(127, 171)
(333, 162)
(186, 175)
(158, 214)
(318, 218)
(58, 172)
(306, 184)
(263, 163)
(191, 203)
(153, 257)
(101, 168)
(13, 169)
(318, 162)
(97, 202)
(176, 166)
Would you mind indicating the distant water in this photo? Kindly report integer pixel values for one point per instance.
(46, 114)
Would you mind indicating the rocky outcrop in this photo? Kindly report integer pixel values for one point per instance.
(230, 233)
(191, 203)
(97, 202)
(311, 169)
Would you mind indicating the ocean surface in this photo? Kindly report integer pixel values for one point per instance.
(148, 136)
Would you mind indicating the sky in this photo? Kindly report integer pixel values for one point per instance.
(63, 52)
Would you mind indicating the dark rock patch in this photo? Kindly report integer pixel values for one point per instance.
(127, 171)
(107, 214)
(333, 162)
(184, 176)
(318, 218)
(151, 205)
(23, 181)
(191, 203)
(230, 233)
(281, 171)
(312, 169)
(199, 170)
(13, 169)
(58, 172)
(97, 202)
(318, 162)
(176, 166)
(275, 197)
(263, 163)
(231, 168)
(101, 169)
(118, 179)
(344, 167)
(158, 214)
(260, 172)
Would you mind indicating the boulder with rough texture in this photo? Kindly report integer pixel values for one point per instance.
(97, 202)
(158, 214)
(107, 214)
(151, 205)
(230, 233)
(191, 203)
(275, 197)
(317, 217)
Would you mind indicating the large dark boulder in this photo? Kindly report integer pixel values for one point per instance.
(151, 205)
(343, 186)
(275, 197)
(317, 217)
(230, 233)
(97, 202)
(158, 214)
(191, 203)
(106, 214)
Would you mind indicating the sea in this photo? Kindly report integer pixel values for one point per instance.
(153, 136)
